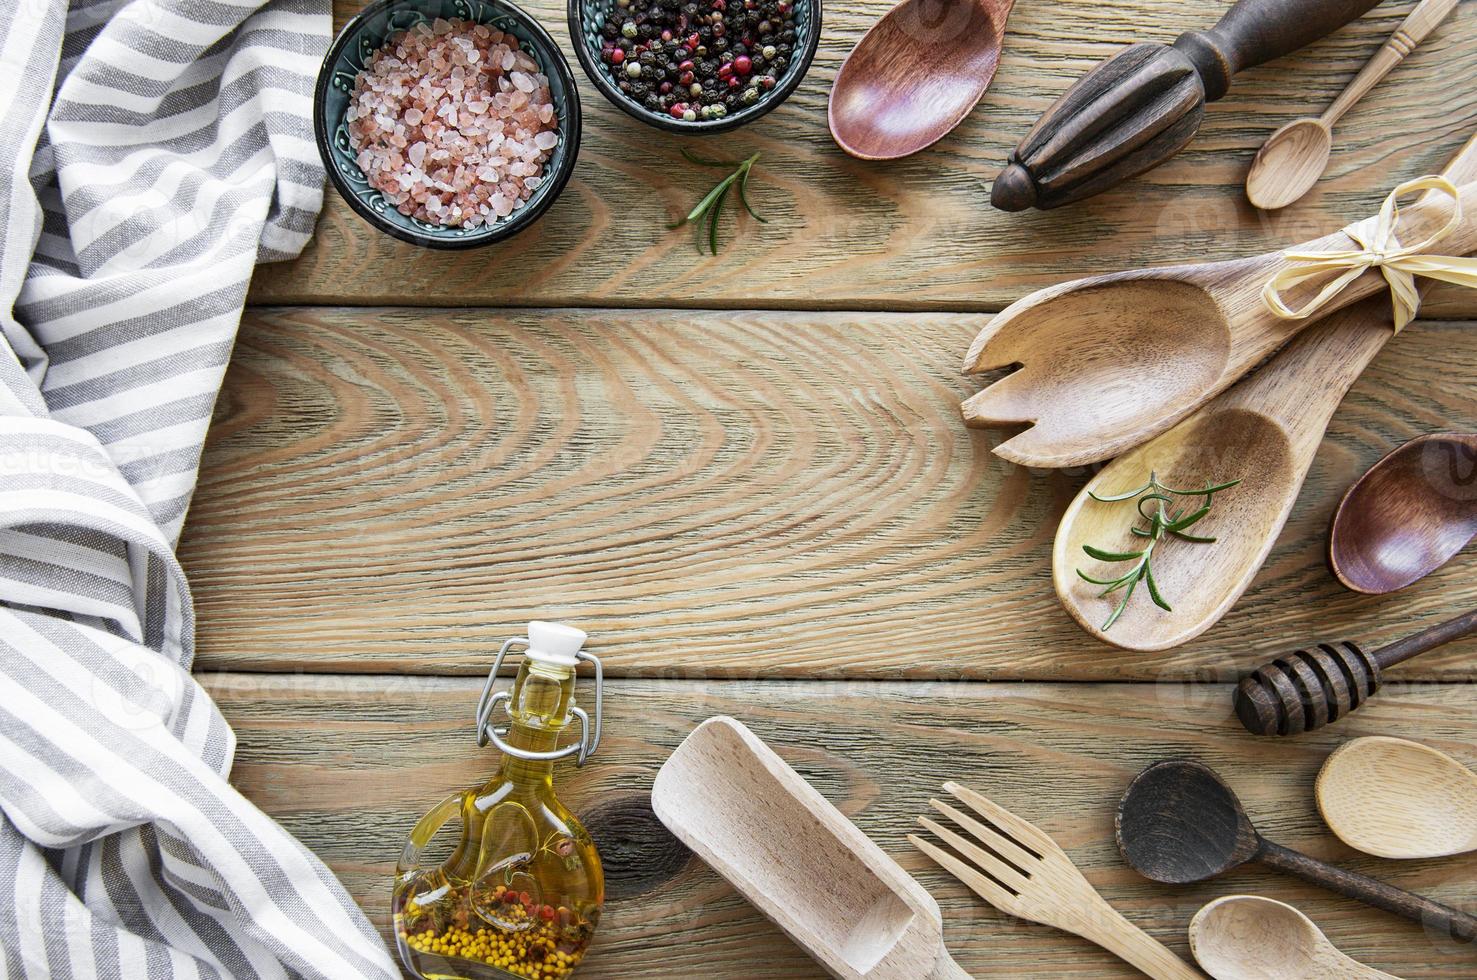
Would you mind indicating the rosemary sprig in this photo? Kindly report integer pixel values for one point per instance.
(711, 205)
(1165, 520)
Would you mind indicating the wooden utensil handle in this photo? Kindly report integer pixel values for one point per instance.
(1254, 31)
(1402, 650)
(944, 968)
(1132, 945)
(1424, 19)
(1371, 892)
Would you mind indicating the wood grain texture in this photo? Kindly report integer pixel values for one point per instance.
(349, 764)
(710, 495)
(919, 233)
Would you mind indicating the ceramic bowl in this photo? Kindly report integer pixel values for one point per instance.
(588, 17)
(364, 35)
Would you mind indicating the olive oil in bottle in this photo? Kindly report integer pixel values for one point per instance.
(520, 895)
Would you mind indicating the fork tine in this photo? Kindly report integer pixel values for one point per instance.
(983, 859)
(978, 883)
(990, 837)
(1023, 832)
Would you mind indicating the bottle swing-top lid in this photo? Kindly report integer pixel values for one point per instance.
(552, 645)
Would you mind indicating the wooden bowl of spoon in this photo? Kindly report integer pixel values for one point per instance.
(1408, 516)
(1248, 937)
(915, 75)
(1398, 799)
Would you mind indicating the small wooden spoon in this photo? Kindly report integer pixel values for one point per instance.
(1179, 823)
(1109, 362)
(784, 847)
(1408, 516)
(1398, 799)
(1294, 157)
(1265, 432)
(915, 75)
(1247, 937)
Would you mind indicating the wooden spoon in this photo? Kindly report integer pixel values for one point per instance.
(758, 823)
(1109, 362)
(1408, 516)
(1247, 937)
(915, 75)
(1398, 799)
(1179, 823)
(1294, 157)
(1265, 432)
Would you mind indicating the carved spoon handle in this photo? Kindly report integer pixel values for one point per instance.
(1254, 31)
(1370, 891)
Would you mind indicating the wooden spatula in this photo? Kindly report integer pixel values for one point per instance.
(758, 823)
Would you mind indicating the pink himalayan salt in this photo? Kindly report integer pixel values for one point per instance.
(452, 123)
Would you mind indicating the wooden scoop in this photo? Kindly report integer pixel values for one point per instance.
(758, 823)
(1179, 823)
(1294, 157)
(1409, 515)
(1264, 432)
(1247, 937)
(1111, 361)
(1141, 106)
(1398, 799)
(915, 75)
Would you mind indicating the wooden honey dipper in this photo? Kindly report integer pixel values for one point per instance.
(1312, 688)
(1140, 107)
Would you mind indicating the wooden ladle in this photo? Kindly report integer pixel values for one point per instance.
(1248, 937)
(1111, 361)
(1179, 823)
(784, 847)
(1265, 432)
(1294, 157)
(915, 75)
(1398, 799)
(1408, 516)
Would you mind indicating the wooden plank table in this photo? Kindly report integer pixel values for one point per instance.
(746, 476)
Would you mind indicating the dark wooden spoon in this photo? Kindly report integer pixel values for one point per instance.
(1179, 823)
(1408, 516)
(915, 75)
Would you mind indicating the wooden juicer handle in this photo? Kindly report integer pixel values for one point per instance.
(1311, 688)
(1256, 31)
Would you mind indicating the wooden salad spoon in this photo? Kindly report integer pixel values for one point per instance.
(915, 75)
(1398, 799)
(1409, 515)
(784, 847)
(1108, 362)
(1265, 432)
(1248, 937)
(1293, 158)
(1179, 823)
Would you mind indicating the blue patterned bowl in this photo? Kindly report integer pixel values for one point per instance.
(367, 33)
(588, 17)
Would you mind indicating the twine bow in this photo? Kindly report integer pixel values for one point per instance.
(1400, 264)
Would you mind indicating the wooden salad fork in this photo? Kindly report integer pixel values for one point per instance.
(1022, 872)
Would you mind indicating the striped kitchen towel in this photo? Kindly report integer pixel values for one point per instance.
(153, 152)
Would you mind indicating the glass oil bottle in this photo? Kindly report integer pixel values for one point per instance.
(520, 895)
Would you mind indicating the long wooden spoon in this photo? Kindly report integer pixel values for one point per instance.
(915, 75)
(1109, 362)
(1247, 937)
(1398, 799)
(1409, 515)
(1294, 157)
(1264, 432)
(758, 823)
(1179, 823)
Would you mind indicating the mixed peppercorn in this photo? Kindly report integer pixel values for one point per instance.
(521, 937)
(698, 60)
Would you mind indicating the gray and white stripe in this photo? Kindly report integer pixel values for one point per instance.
(154, 152)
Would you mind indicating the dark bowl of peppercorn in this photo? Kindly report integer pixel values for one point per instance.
(695, 66)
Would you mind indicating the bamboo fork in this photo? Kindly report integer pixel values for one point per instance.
(1024, 873)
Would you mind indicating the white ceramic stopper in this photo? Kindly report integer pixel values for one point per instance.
(554, 643)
